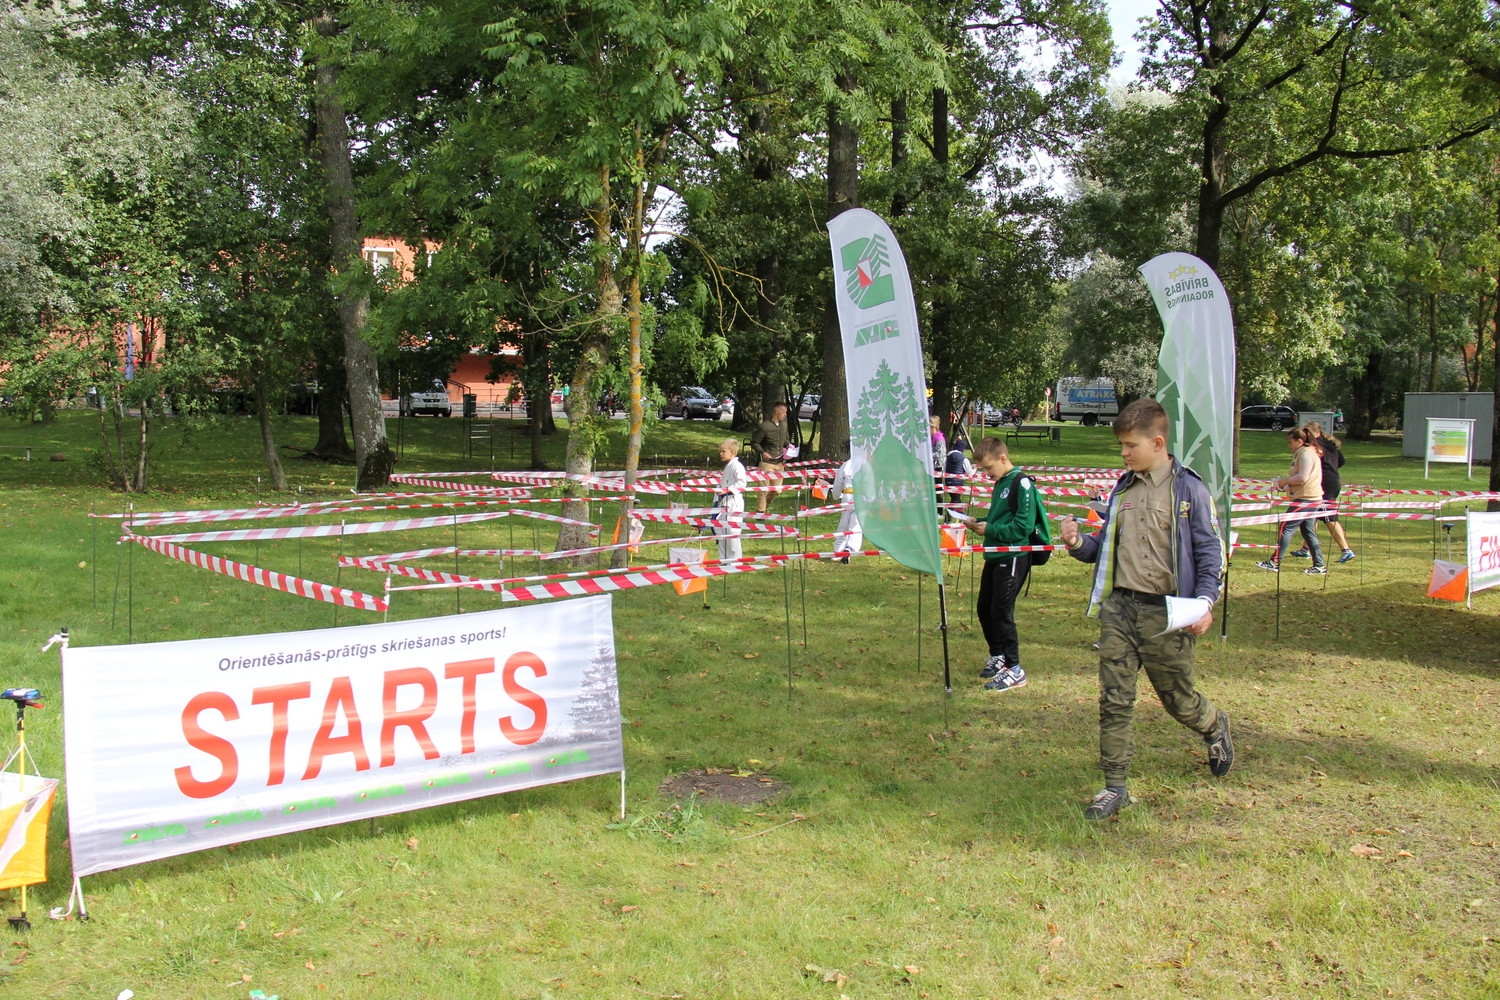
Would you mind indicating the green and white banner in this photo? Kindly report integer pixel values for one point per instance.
(1195, 371)
(889, 438)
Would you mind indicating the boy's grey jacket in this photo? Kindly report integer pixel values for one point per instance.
(1197, 554)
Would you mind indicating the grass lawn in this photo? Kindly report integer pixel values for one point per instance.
(906, 859)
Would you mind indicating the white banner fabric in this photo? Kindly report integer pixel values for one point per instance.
(176, 747)
(889, 438)
(1196, 370)
(1483, 536)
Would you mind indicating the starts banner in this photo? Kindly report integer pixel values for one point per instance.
(1483, 533)
(176, 747)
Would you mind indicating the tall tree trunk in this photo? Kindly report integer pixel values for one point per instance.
(1432, 337)
(591, 360)
(142, 449)
(843, 194)
(765, 170)
(1213, 163)
(637, 417)
(373, 458)
(899, 155)
(536, 389)
(333, 443)
(939, 344)
(268, 437)
(1367, 388)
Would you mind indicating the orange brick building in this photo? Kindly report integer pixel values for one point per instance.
(471, 373)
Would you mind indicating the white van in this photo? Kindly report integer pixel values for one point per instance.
(1090, 401)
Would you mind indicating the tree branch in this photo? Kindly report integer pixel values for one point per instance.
(1250, 27)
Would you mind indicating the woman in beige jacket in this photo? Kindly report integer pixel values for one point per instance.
(1304, 485)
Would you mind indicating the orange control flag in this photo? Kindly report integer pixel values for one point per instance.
(1450, 581)
(688, 557)
(25, 806)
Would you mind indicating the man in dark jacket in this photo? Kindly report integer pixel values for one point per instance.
(1159, 538)
(770, 439)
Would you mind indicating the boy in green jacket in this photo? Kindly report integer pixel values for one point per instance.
(1015, 510)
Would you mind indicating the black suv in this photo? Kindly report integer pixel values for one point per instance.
(692, 402)
(1276, 418)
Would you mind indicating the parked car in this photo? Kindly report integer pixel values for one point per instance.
(436, 403)
(692, 402)
(1264, 417)
(810, 406)
(999, 416)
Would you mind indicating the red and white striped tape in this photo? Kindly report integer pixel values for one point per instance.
(263, 577)
(624, 581)
(331, 530)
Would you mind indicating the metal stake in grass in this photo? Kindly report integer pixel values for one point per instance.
(786, 593)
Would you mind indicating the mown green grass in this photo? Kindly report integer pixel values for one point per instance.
(954, 848)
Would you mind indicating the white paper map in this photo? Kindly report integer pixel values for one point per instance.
(1185, 611)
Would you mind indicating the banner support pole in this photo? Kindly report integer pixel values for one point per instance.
(95, 557)
(1278, 594)
(622, 791)
(1224, 619)
(947, 672)
(75, 897)
(919, 623)
(786, 594)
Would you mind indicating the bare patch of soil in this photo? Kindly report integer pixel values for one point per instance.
(738, 787)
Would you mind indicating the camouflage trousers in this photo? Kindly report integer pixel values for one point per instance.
(1129, 640)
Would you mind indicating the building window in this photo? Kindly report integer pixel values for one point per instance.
(379, 259)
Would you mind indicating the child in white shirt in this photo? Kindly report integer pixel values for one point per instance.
(730, 499)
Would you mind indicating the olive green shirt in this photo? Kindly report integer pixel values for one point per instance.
(770, 439)
(1143, 555)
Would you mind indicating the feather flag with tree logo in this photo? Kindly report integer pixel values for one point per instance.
(1196, 370)
(888, 429)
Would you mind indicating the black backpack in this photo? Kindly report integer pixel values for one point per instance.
(1041, 532)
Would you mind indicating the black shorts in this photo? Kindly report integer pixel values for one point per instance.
(1330, 501)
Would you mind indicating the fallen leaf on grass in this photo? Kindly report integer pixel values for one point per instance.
(913, 970)
(308, 966)
(751, 656)
(1365, 851)
(411, 843)
(20, 958)
(835, 976)
(240, 926)
(1405, 854)
(628, 908)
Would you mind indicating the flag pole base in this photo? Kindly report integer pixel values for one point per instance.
(75, 900)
